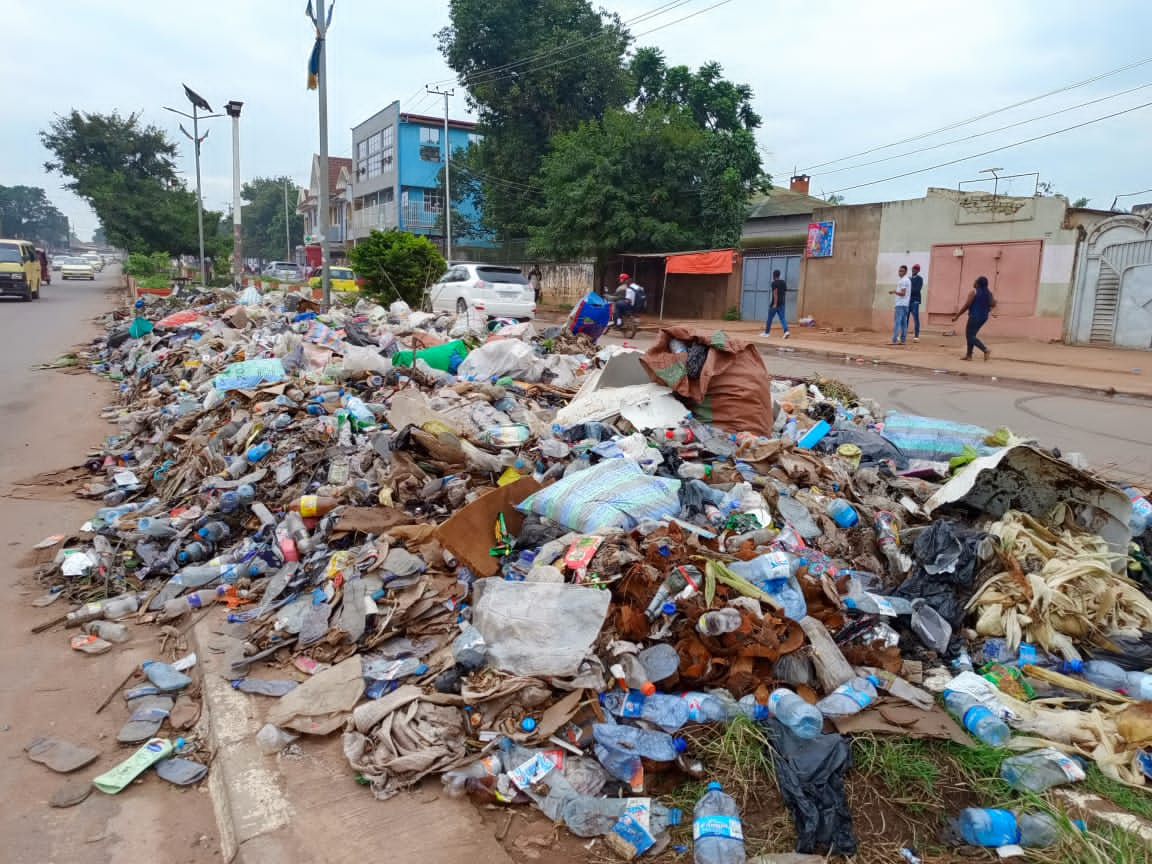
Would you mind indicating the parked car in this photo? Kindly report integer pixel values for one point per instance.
(77, 268)
(19, 269)
(284, 271)
(499, 292)
(342, 278)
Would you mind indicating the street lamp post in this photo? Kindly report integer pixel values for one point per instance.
(198, 103)
(232, 109)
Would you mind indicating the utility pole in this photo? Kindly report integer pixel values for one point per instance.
(324, 202)
(447, 179)
(287, 225)
(232, 109)
(198, 102)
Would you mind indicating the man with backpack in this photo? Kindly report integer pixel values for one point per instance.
(632, 298)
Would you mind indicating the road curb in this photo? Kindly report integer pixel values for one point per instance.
(253, 816)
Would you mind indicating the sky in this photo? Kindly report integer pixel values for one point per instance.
(831, 80)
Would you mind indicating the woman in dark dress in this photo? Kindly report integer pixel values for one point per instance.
(979, 306)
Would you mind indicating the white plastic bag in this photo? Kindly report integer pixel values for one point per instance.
(500, 358)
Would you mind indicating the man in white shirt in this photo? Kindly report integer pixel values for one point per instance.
(627, 292)
(903, 295)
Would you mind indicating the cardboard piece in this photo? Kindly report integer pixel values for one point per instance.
(469, 533)
(900, 718)
(237, 317)
(371, 520)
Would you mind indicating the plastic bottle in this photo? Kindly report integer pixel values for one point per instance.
(119, 776)
(849, 698)
(480, 775)
(310, 506)
(258, 451)
(214, 532)
(1141, 511)
(234, 499)
(645, 743)
(109, 631)
(587, 816)
(660, 661)
(659, 709)
(721, 707)
(930, 626)
(181, 606)
(360, 411)
(977, 718)
(206, 574)
(584, 775)
(301, 536)
(717, 833)
(888, 538)
(719, 621)
(803, 719)
(1040, 770)
(1105, 673)
(110, 609)
(164, 677)
(694, 471)
(194, 552)
(679, 434)
(676, 581)
(630, 674)
(798, 516)
(161, 529)
(982, 826)
(842, 513)
(272, 739)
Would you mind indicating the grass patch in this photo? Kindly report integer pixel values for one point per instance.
(736, 755)
(908, 768)
(1132, 800)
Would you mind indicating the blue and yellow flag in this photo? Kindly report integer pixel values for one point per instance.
(314, 59)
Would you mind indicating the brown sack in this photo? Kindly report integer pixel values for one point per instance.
(733, 391)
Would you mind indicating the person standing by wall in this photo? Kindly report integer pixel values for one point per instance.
(903, 295)
(979, 306)
(534, 279)
(915, 299)
(778, 301)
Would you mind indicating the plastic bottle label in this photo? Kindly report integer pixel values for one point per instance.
(883, 605)
(308, 505)
(532, 771)
(633, 704)
(633, 827)
(717, 826)
(774, 700)
(860, 697)
(693, 708)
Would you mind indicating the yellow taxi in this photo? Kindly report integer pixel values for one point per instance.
(19, 270)
(343, 279)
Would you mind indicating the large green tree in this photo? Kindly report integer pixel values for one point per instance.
(532, 69)
(264, 219)
(27, 214)
(126, 171)
(397, 265)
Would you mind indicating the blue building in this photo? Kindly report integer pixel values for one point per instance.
(396, 158)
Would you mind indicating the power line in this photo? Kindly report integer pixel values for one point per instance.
(994, 149)
(986, 114)
(987, 132)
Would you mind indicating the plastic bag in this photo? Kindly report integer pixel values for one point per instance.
(497, 359)
(810, 772)
(366, 359)
(538, 628)
(932, 438)
(947, 558)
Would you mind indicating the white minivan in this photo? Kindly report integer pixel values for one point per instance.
(495, 291)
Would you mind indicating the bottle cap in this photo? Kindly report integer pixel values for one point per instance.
(668, 608)
(675, 815)
(528, 724)
(680, 744)
(714, 786)
(647, 688)
(178, 743)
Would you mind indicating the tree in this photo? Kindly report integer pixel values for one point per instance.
(263, 216)
(27, 214)
(1081, 202)
(574, 72)
(397, 264)
(127, 173)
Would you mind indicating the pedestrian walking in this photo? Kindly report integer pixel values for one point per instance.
(534, 279)
(903, 295)
(915, 299)
(979, 306)
(779, 300)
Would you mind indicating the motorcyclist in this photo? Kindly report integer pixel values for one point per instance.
(625, 298)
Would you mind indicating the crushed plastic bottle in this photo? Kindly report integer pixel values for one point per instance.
(977, 718)
(849, 698)
(980, 826)
(803, 719)
(719, 621)
(272, 739)
(659, 709)
(1041, 769)
(930, 626)
(479, 776)
(717, 832)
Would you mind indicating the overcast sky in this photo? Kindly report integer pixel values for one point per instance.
(831, 79)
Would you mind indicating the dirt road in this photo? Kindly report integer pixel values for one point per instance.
(50, 420)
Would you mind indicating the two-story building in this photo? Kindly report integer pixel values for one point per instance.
(339, 206)
(396, 159)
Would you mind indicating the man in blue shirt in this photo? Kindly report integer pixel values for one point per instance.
(915, 300)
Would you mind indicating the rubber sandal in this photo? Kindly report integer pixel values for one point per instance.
(181, 772)
(61, 756)
(147, 717)
(71, 793)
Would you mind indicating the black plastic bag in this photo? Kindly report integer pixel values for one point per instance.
(811, 772)
(354, 335)
(944, 585)
(874, 447)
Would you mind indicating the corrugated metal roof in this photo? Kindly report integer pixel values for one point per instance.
(783, 202)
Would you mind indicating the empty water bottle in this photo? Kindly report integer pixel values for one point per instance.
(803, 719)
(110, 609)
(679, 434)
(676, 581)
(717, 833)
(694, 471)
(587, 816)
(660, 661)
(1040, 770)
(659, 709)
(214, 532)
(849, 698)
(842, 513)
(982, 826)
(977, 718)
(719, 621)
(194, 552)
(646, 743)
(930, 626)
(196, 600)
(1107, 674)
(720, 707)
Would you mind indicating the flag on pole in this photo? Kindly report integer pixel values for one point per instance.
(314, 59)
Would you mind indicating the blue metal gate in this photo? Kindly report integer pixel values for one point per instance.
(756, 285)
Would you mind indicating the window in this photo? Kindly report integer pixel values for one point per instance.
(388, 147)
(474, 138)
(387, 196)
(11, 253)
(433, 202)
(375, 154)
(429, 144)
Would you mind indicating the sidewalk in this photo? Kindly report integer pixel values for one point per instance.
(1109, 370)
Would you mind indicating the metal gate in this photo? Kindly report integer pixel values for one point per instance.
(1122, 314)
(756, 284)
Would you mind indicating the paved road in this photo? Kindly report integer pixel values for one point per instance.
(1114, 434)
(51, 419)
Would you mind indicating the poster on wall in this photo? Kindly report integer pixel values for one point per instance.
(820, 235)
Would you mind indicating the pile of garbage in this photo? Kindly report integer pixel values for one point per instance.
(526, 565)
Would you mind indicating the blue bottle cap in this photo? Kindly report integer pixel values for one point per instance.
(203, 532)
(528, 724)
(668, 608)
(714, 786)
(680, 744)
(178, 743)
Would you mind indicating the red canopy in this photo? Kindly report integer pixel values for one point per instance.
(715, 261)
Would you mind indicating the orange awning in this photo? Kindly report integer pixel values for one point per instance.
(715, 261)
